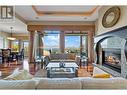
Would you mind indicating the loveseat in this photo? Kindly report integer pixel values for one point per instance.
(65, 83)
(62, 56)
(70, 57)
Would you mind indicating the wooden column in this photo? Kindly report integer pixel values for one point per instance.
(41, 44)
(31, 43)
(62, 41)
(90, 46)
(81, 46)
(32, 29)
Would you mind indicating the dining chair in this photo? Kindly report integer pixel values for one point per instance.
(6, 55)
(20, 55)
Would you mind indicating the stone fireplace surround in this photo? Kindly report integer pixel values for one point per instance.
(121, 33)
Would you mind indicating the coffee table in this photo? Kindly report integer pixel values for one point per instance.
(67, 64)
(68, 71)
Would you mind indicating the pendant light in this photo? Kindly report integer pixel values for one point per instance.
(11, 38)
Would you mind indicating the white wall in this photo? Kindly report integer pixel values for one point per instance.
(122, 21)
(5, 35)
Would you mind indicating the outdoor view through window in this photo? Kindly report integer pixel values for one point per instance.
(74, 43)
(51, 42)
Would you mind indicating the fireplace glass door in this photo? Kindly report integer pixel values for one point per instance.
(112, 58)
(111, 53)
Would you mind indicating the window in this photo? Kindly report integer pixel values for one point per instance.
(1, 42)
(26, 47)
(51, 41)
(76, 43)
(72, 44)
(15, 45)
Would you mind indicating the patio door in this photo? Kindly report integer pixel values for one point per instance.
(51, 41)
(76, 43)
(26, 46)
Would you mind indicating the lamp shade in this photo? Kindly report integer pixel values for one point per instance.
(11, 38)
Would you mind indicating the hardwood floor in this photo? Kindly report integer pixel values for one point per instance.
(7, 69)
(85, 71)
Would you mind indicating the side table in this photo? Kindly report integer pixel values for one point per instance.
(84, 62)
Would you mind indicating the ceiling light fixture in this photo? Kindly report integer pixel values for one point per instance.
(11, 38)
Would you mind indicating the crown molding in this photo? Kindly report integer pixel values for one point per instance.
(41, 13)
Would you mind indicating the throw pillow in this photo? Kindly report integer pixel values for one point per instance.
(21, 75)
(102, 76)
(15, 72)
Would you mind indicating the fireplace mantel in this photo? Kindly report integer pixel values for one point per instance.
(121, 33)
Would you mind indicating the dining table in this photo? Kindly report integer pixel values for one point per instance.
(14, 54)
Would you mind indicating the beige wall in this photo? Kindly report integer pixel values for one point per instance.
(21, 36)
(122, 21)
(5, 35)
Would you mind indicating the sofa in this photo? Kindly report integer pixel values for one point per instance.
(66, 57)
(65, 83)
(70, 57)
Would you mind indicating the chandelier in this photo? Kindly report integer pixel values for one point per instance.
(11, 38)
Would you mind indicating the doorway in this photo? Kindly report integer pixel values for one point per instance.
(26, 46)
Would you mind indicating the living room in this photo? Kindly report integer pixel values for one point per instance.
(63, 47)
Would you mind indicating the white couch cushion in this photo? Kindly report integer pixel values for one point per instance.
(59, 83)
(17, 84)
(103, 83)
(19, 75)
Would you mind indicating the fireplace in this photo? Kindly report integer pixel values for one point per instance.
(111, 52)
(111, 58)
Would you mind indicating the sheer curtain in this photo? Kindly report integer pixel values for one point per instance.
(1, 42)
(36, 45)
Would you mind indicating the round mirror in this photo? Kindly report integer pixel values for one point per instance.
(111, 17)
